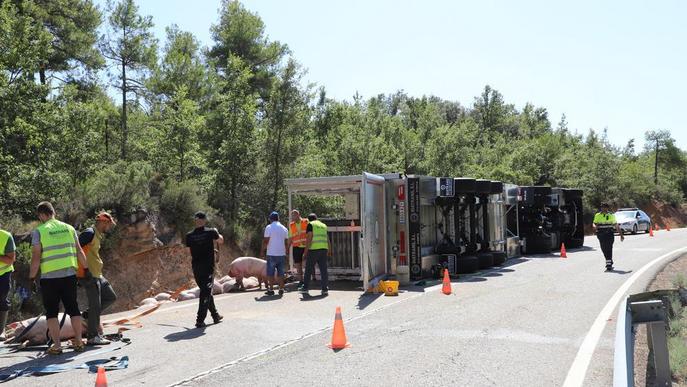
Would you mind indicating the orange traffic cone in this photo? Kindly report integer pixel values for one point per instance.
(339, 340)
(101, 380)
(563, 252)
(651, 231)
(446, 288)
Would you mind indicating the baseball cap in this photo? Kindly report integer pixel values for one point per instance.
(200, 215)
(105, 216)
(274, 215)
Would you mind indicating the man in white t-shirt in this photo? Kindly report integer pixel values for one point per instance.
(275, 241)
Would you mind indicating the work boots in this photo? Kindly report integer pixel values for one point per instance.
(3, 323)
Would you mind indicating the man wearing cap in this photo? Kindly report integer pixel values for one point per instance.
(201, 243)
(317, 251)
(604, 225)
(98, 290)
(275, 243)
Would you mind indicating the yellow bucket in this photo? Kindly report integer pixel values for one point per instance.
(390, 287)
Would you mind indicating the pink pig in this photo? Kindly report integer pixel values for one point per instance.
(248, 267)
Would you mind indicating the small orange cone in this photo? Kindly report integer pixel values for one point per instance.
(446, 288)
(101, 380)
(651, 231)
(339, 340)
(564, 254)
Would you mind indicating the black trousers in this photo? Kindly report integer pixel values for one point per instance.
(204, 280)
(606, 239)
(318, 257)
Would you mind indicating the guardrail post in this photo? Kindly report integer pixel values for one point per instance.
(653, 314)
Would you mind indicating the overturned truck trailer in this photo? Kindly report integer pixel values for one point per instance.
(412, 227)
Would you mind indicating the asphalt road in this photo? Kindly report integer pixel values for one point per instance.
(519, 325)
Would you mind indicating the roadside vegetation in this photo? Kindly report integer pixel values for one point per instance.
(94, 118)
(677, 333)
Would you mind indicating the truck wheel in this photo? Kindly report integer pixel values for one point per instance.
(575, 243)
(499, 258)
(467, 264)
(486, 260)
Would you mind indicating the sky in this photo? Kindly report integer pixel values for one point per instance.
(618, 65)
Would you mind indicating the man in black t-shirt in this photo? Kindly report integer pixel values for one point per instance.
(201, 243)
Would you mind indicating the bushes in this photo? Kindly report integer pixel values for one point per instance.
(178, 203)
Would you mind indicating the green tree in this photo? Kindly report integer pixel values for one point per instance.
(657, 140)
(73, 26)
(287, 120)
(241, 33)
(179, 122)
(181, 65)
(229, 140)
(131, 47)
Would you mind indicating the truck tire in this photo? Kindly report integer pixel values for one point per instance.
(499, 258)
(535, 245)
(574, 243)
(464, 185)
(496, 187)
(467, 264)
(483, 186)
(486, 260)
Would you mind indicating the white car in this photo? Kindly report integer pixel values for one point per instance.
(633, 220)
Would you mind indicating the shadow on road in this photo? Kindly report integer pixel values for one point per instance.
(186, 334)
(268, 298)
(366, 299)
(308, 297)
(616, 271)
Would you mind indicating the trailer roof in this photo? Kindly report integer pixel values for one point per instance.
(330, 184)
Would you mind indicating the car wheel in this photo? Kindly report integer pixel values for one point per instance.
(634, 229)
(648, 229)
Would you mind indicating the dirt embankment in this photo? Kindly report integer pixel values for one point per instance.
(664, 214)
(141, 266)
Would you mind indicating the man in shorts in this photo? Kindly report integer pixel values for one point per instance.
(275, 243)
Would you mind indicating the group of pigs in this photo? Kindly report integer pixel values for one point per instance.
(244, 273)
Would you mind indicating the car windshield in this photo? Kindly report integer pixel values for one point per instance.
(625, 214)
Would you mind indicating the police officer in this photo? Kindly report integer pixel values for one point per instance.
(605, 225)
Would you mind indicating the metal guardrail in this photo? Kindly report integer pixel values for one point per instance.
(633, 311)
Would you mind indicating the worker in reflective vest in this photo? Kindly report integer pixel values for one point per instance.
(605, 227)
(297, 239)
(56, 251)
(317, 251)
(7, 256)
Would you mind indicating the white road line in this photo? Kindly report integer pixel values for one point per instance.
(296, 340)
(578, 369)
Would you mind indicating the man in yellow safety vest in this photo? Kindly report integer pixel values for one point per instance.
(55, 252)
(7, 256)
(605, 225)
(317, 251)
